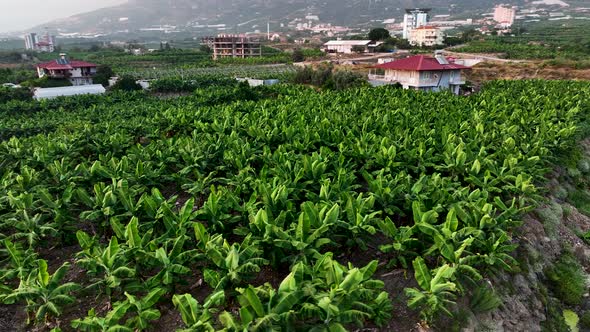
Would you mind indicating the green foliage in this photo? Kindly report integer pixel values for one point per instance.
(7, 94)
(126, 83)
(324, 76)
(323, 297)
(43, 293)
(571, 319)
(542, 40)
(298, 55)
(46, 82)
(379, 34)
(554, 322)
(103, 74)
(277, 178)
(195, 316)
(551, 216)
(142, 310)
(436, 292)
(585, 320)
(484, 299)
(567, 279)
(190, 85)
(107, 266)
(15, 76)
(109, 323)
(346, 79)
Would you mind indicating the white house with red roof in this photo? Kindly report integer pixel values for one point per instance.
(421, 72)
(77, 72)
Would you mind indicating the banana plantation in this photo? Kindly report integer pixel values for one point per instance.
(280, 210)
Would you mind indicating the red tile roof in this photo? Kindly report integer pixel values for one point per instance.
(419, 63)
(71, 64)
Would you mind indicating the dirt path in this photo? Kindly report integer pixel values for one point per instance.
(485, 57)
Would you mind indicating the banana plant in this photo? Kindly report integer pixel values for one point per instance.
(44, 293)
(142, 310)
(496, 250)
(27, 224)
(405, 245)
(137, 247)
(196, 317)
(107, 265)
(268, 231)
(305, 240)
(109, 323)
(232, 264)
(263, 309)
(172, 264)
(436, 292)
(20, 262)
(342, 295)
(59, 210)
(359, 220)
(216, 211)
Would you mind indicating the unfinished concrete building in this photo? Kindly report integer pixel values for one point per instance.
(236, 46)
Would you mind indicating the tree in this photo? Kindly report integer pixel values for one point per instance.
(103, 73)
(298, 55)
(344, 79)
(94, 48)
(379, 34)
(127, 83)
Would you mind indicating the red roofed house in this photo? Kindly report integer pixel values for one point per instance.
(77, 72)
(421, 72)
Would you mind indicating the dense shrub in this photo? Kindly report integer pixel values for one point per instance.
(8, 94)
(567, 280)
(126, 83)
(178, 84)
(325, 77)
(46, 82)
(103, 73)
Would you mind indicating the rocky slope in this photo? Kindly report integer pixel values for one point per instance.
(554, 259)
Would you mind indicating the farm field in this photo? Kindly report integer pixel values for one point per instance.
(271, 208)
(563, 40)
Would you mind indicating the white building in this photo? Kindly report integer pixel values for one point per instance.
(421, 72)
(414, 18)
(77, 72)
(505, 14)
(350, 46)
(45, 43)
(426, 36)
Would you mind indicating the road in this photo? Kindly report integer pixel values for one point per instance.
(480, 56)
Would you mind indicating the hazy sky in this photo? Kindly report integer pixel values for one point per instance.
(22, 14)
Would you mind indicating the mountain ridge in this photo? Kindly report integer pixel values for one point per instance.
(136, 14)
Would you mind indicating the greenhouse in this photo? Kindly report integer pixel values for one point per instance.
(47, 93)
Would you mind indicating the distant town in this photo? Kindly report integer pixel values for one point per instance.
(417, 25)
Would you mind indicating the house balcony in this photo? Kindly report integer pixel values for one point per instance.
(375, 77)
